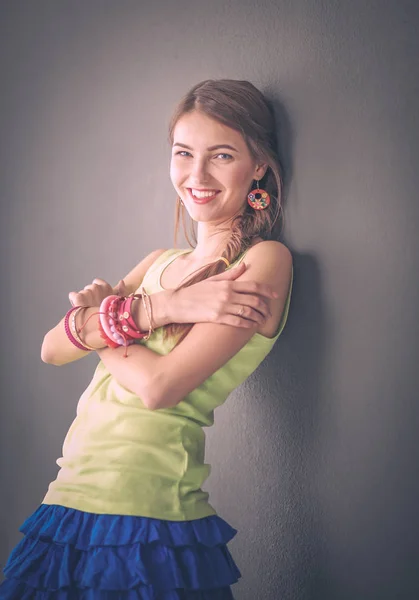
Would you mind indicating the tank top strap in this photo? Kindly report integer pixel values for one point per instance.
(168, 255)
(238, 260)
(151, 280)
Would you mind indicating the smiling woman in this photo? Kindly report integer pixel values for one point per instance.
(203, 173)
(126, 515)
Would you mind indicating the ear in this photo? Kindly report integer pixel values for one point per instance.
(260, 171)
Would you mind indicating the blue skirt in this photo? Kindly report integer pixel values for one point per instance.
(68, 554)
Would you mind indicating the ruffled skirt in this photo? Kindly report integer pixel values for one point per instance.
(67, 554)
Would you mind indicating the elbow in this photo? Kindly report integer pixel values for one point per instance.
(152, 399)
(49, 361)
(46, 355)
(156, 396)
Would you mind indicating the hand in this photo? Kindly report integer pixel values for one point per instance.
(94, 293)
(220, 299)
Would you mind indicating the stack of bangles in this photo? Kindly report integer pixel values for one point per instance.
(116, 324)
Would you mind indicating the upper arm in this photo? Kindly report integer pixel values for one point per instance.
(134, 278)
(208, 346)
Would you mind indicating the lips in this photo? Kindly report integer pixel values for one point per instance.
(202, 200)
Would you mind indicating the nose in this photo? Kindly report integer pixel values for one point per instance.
(199, 172)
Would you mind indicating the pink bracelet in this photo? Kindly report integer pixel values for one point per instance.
(69, 333)
(116, 324)
(127, 321)
(104, 316)
(122, 337)
(108, 319)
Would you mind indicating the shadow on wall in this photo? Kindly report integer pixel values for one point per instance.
(285, 491)
(285, 496)
(284, 142)
(298, 366)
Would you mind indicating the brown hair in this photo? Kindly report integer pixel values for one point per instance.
(242, 107)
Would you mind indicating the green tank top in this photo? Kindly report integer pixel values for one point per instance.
(121, 458)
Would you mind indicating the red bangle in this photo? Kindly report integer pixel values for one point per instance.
(110, 327)
(116, 326)
(126, 319)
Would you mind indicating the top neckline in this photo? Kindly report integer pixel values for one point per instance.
(167, 263)
(187, 251)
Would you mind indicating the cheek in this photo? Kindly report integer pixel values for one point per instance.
(175, 173)
(240, 176)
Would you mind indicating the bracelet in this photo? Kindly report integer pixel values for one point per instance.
(126, 320)
(144, 297)
(105, 331)
(110, 324)
(115, 321)
(74, 328)
(116, 324)
(70, 335)
(107, 316)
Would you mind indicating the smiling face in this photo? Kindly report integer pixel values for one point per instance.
(211, 168)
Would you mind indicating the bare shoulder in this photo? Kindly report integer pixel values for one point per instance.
(271, 250)
(270, 261)
(134, 278)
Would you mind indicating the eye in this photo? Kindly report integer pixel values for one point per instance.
(182, 153)
(226, 155)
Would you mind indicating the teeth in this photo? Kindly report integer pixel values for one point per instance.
(199, 194)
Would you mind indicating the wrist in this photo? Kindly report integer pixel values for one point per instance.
(163, 307)
(160, 309)
(88, 327)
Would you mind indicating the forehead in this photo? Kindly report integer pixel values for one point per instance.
(197, 129)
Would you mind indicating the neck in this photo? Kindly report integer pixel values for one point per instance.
(212, 241)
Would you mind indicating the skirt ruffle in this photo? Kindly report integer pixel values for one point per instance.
(68, 554)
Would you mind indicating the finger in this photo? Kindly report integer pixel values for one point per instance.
(255, 301)
(100, 281)
(255, 287)
(121, 288)
(239, 322)
(77, 299)
(247, 312)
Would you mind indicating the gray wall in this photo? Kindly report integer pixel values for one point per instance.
(315, 457)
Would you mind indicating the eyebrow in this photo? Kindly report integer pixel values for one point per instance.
(210, 149)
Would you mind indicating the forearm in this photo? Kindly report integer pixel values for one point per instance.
(138, 372)
(58, 350)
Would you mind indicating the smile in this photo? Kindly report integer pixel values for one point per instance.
(202, 196)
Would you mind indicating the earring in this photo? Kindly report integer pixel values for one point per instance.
(258, 198)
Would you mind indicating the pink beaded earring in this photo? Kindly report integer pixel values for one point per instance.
(258, 199)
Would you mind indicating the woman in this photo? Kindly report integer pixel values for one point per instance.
(126, 516)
